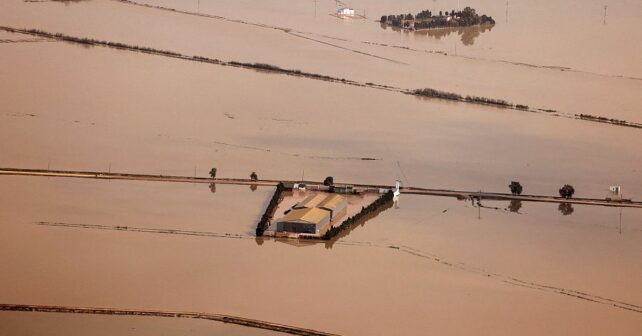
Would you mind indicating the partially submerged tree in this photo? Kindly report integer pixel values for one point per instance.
(213, 172)
(567, 191)
(516, 188)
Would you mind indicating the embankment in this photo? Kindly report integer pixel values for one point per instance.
(175, 314)
(239, 181)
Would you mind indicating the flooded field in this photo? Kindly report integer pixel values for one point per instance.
(361, 278)
(525, 64)
(427, 265)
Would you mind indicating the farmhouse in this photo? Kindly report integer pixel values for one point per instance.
(313, 214)
(304, 220)
(345, 12)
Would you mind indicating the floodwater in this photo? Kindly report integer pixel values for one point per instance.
(191, 247)
(359, 286)
(543, 58)
(28, 324)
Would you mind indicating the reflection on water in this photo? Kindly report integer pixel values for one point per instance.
(515, 205)
(565, 208)
(213, 188)
(253, 187)
(468, 34)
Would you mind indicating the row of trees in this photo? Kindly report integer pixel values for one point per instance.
(567, 191)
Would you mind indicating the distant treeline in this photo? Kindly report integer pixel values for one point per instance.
(426, 20)
(608, 120)
(432, 93)
(264, 223)
(372, 207)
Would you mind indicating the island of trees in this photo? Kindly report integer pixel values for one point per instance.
(426, 20)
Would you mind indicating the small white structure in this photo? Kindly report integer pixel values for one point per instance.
(345, 12)
(397, 190)
(615, 194)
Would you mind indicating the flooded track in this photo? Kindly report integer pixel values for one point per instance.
(238, 181)
(157, 313)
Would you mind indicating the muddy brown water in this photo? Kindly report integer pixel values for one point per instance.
(510, 63)
(70, 107)
(357, 279)
(155, 115)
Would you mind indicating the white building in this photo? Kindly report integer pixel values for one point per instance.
(345, 12)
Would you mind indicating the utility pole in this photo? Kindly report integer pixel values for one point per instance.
(507, 10)
(620, 220)
(605, 7)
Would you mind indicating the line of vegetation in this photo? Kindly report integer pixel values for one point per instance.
(247, 322)
(608, 120)
(264, 223)
(427, 92)
(432, 93)
(380, 202)
(490, 101)
(426, 20)
(123, 46)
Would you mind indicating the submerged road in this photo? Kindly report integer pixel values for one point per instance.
(238, 181)
(157, 313)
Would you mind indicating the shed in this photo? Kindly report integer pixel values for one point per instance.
(310, 220)
(334, 203)
(310, 201)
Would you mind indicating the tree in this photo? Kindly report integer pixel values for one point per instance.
(515, 188)
(441, 13)
(253, 176)
(328, 181)
(384, 19)
(567, 191)
(213, 172)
